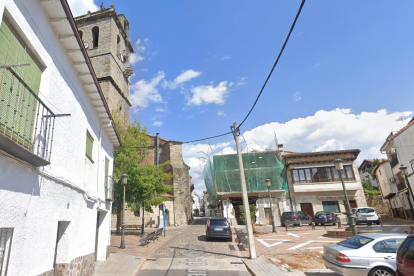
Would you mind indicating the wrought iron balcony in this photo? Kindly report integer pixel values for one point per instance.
(26, 123)
(394, 162)
(401, 186)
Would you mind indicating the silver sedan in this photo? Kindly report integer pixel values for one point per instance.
(365, 254)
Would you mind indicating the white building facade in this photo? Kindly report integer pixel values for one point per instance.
(56, 145)
(399, 147)
(196, 204)
(389, 190)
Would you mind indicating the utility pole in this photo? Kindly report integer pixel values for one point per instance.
(252, 248)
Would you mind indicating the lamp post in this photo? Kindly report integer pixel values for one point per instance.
(268, 183)
(124, 182)
(403, 170)
(339, 167)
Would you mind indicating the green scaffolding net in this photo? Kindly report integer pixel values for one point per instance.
(221, 173)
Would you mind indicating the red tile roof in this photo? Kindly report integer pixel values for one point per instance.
(401, 130)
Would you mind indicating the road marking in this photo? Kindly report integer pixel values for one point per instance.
(296, 236)
(306, 243)
(300, 245)
(395, 229)
(262, 241)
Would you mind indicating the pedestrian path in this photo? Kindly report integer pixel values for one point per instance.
(118, 265)
(259, 267)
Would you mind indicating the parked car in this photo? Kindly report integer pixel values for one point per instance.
(298, 217)
(365, 254)
(405, 257)
(325, 217)
(365, 214)
(218, 227)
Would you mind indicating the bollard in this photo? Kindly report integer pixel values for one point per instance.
(324, 222)
(380, 219)
(313, 225)
(339, 224)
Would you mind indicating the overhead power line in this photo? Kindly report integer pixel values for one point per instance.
(258, 96)
(277, 60)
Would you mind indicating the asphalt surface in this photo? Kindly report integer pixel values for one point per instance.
(188, 253)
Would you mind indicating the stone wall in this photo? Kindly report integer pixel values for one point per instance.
(106, 61)
(80, 266)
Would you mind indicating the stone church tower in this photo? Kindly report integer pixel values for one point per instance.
(105, 36)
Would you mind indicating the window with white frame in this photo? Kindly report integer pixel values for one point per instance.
(321, 174)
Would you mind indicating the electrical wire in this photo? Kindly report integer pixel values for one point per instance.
(277, 60)
(267, 79)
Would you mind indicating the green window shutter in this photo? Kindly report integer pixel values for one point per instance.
(106, 176)
(14, 51)
(89, 145)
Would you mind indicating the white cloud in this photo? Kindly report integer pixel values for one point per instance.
(241, 81)
(160, 110)
(139, 51)
(225, 58)
(184, 77)
(297, 97)
(325, 130)
(144, 92)
(80, 7)
(157, 123)
(144, 70)
(221, 113)
(207, 94)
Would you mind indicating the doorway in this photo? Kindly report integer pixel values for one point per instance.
(167, 217)
(268, 216)
(307, 209)
(62, 243)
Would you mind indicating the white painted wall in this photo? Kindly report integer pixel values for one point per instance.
(32, 203)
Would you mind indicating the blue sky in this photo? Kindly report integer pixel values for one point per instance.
(344, 79)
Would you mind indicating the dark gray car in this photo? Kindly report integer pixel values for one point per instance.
(218, 227)
(298, 217)
(324, 217)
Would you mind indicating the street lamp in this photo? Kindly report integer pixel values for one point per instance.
(124, 182)
(403, 170)
(339, 167)
(268, 183)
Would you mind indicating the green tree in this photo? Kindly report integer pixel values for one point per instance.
(145, 185)
(253, 210)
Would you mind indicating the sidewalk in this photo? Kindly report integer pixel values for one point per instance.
(126, 262)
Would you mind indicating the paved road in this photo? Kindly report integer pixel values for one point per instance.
(188, 253)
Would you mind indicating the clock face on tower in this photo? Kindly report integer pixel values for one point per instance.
(86, 44)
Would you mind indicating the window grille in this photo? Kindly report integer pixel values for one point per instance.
(6, 235)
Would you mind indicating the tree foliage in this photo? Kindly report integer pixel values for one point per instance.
(145, 185)
(253, 210)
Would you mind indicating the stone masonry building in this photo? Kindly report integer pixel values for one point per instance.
(105, 36)
(179, 207)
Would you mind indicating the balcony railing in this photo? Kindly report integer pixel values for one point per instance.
(26, 123)
(394, 162)
(401, 186)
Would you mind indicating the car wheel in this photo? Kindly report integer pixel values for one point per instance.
(207, 238)
(381, 271)
(378, 222)
(334, 224)
(300, 223)
(316, 224)
(283, 225)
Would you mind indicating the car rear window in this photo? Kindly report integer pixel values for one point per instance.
(406, 250)
(366, 210)
(355, 242)
(288, 213)
(322, 213)
(214, 222)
